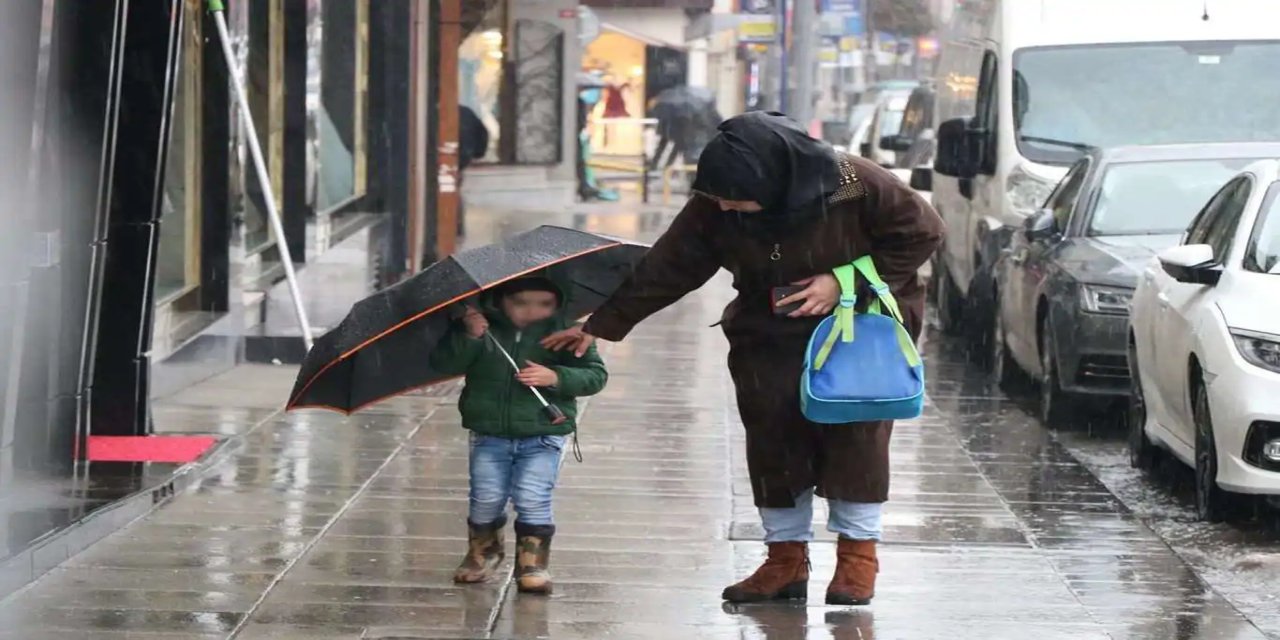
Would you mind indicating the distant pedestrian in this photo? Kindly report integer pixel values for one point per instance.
(776, 207)
(515, 449)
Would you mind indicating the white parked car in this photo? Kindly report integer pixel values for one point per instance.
(1204, 347)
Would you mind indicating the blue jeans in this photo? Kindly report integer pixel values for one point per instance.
(519, 470)
(852, 520)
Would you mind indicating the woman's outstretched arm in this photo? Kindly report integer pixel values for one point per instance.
(682, 260)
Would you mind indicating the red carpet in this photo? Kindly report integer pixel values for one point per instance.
(148, 448)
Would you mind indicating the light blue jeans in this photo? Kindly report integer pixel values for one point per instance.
(852, 520)
(518, 470)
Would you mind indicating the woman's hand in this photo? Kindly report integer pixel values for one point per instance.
(572, 338)
(820, 295)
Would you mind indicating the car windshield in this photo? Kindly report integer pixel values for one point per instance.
(1263, 252)
(1149, 94)
(1149, 198)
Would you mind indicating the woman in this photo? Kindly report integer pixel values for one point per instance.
(774, 207)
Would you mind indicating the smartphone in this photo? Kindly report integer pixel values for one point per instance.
(782, 292)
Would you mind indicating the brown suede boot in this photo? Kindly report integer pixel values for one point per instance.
(485, 551)
(533, 556)
(856, 569)
(783, 576)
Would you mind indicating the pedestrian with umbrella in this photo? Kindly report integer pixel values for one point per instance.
(516, 438)
(777, 209)
(482, 314)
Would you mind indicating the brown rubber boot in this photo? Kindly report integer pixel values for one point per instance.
(533, 556)
(485, 551)
(783, 576)
(856, 569)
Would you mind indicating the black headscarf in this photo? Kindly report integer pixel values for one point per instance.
(768, 158)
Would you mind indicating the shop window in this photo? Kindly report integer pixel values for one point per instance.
(481, 76)
(178, 256)
(257, 40)
(337, 74)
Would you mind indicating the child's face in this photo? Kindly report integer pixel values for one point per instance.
(528, 307)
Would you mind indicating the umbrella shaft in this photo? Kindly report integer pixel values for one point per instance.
(515, 366)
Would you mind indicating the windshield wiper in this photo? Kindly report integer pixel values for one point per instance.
(1078, 146)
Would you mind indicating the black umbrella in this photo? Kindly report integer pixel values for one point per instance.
(382, 347)
(686, 106)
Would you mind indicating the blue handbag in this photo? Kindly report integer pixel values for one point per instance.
(862, 367)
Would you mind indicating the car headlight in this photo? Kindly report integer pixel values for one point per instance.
(1027, 192)
(1108, 300)
(1258, 349)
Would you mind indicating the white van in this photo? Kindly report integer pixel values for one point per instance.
(1024, 86)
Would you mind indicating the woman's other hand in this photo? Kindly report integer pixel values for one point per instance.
(821, 294)
(573, 338)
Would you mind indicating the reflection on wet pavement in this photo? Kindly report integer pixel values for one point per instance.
(320, 526)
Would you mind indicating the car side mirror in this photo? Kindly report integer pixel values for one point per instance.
(1040, 225)
(954, 156)
(922, 179)
(1191, 264)
(896, 142)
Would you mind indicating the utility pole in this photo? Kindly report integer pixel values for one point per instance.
(871, 60)
(784, 87)
(804, 56)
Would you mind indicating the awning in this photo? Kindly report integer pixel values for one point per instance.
(636, 35)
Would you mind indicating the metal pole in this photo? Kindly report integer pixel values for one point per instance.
(260, 165)
(805, 58)
(783, 85)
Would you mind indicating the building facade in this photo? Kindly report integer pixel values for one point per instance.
(135, 252)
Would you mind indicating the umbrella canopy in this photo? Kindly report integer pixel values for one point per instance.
(382, 347)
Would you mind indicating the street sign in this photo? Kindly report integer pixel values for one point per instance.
(757, 30)
(842, 6)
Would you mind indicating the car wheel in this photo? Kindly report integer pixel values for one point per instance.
(1212, 503)
(1142, 452)
(1004, 369)
(1055, 404)
(946, 300)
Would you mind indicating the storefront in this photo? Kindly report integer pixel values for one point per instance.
(511, 72)
(135, 228)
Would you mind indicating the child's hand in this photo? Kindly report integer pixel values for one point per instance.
(536, 375)
(475, 322)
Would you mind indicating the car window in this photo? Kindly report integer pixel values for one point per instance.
(916, 118)
(1160, 197)
(1216, 225)
(1063, 199)
(987, 108)
(1199, 228)
(1263, 252)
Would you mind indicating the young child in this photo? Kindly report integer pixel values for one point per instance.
(515, 448)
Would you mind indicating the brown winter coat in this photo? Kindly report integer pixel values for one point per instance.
(872, 212)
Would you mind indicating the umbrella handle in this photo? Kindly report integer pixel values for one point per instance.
(554, 414)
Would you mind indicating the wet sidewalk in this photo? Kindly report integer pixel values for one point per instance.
(315, 526)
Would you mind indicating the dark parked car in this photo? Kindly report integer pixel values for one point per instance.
(1064, 283)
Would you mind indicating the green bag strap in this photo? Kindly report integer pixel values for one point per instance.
(843, 313)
